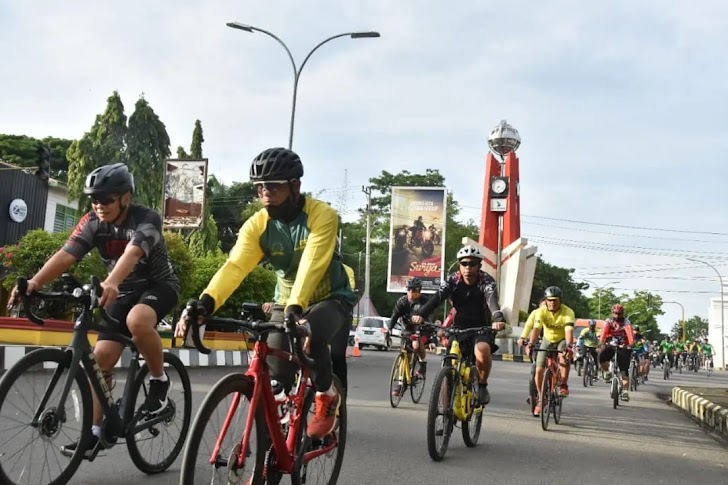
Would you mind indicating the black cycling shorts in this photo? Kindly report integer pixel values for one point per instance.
(467, 345)
(162, 298)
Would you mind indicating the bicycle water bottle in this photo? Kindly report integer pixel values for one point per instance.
(281, 401)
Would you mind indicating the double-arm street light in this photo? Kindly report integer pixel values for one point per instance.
(297, 70)
(722, 308)
(599, 293)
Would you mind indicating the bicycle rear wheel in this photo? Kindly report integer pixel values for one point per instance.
(440, 416)
(417, 386)
(614, 392)
(396, 381)
(229, 399)
(31, 452)
(472, 425)
(532, 389)
(154, 448)
(546, 398)
(318, 461)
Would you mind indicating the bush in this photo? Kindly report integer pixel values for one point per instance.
(258, 286)
(30, 254)
(182, 262)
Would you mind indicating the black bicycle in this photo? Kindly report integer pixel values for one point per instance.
(46, 401)
(589, 373)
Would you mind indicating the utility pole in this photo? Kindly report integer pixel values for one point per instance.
(367, 258)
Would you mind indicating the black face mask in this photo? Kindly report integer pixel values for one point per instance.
(286, 211)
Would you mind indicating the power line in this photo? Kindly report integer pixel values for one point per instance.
(644, 228)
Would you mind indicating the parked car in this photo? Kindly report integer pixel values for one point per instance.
(374, 331)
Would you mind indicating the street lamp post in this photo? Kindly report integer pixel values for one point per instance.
(682, 318)
(599, 293)
(722, 308)
(297, 70)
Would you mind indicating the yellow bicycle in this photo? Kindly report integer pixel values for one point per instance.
(454, 395)
(404, 370)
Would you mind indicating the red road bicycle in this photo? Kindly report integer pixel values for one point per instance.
(238, 435)
(551, 399)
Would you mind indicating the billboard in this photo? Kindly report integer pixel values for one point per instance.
(416, 237)
(185, 182)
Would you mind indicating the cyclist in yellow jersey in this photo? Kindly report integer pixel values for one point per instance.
(298, 236)
(557, 322)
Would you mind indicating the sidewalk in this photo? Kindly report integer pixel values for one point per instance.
(706, 405)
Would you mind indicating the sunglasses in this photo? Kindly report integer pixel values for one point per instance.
(272, 186)
(103, 200)
(469, 264)
(414, 290)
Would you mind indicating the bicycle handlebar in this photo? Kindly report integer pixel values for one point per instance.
(86, 295)
(296, 332)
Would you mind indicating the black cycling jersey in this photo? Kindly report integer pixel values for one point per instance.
(405, 308)
(142, 228)
(475, 304)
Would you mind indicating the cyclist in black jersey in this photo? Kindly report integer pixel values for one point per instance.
(473, 295)
(141, 287)
(404, 308)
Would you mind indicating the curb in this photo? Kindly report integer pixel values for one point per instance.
(511, 358)
(708, 414)
(10, 354)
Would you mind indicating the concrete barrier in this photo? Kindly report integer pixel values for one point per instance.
(710, 415)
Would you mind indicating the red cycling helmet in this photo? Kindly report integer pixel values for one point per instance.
(618, 309)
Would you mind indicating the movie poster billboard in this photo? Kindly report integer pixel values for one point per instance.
(184, 193)
(417, 234)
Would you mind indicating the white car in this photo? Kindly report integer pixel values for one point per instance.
(374, 331)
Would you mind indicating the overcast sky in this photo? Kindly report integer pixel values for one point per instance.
(621, 106)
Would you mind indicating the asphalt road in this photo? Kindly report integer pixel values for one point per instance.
(643, 441)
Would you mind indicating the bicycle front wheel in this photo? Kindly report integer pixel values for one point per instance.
(318, 461)
(546, 397)
(472, 425)
(31, 450)
(396, 381)
(154, 442)
(615, 392)
(222, 416)
(417, 386)
(440, 416)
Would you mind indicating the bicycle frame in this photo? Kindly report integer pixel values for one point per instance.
(460, 403)
(283, 446)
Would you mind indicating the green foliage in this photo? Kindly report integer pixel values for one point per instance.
(182, 154)
(695, 328)
(104, 144)
(204, 240)
(147, 148)
(30, 254)
(550, 275)
(197, 140)
(22, 151)
(182, 262)
(259, 286)
(230, 205)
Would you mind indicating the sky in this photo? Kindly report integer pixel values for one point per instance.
(621, 107)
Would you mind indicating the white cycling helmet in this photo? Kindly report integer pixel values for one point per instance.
(469, 252)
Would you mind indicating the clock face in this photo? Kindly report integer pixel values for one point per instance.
(498, 186)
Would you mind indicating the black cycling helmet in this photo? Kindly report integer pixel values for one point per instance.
(592, 323)
(414, 284)
(113, 179)
(636, 328)
(552, 292)
(276, 164)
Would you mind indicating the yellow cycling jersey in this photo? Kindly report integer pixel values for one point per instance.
(302, 253)
(529, 324)
(554, 324)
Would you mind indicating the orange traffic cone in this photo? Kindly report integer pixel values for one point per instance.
(356, 352)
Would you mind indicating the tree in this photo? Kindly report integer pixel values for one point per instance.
(230, 207)
(696, 328)
(147, 149)
(102, 145)
(182, 154)
(197, 140)
(205, 239)
(550, 275)
(22, 151)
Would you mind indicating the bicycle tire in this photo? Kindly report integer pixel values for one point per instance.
(41, 358)
(396, 384)
(632, 377)
(532, 390)
(615, 392)
(445, 375)
(471, 426)
(304, 442)
(417, 387)
(132, 443)
(230, 384)
(546, 397)
(587, 372)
